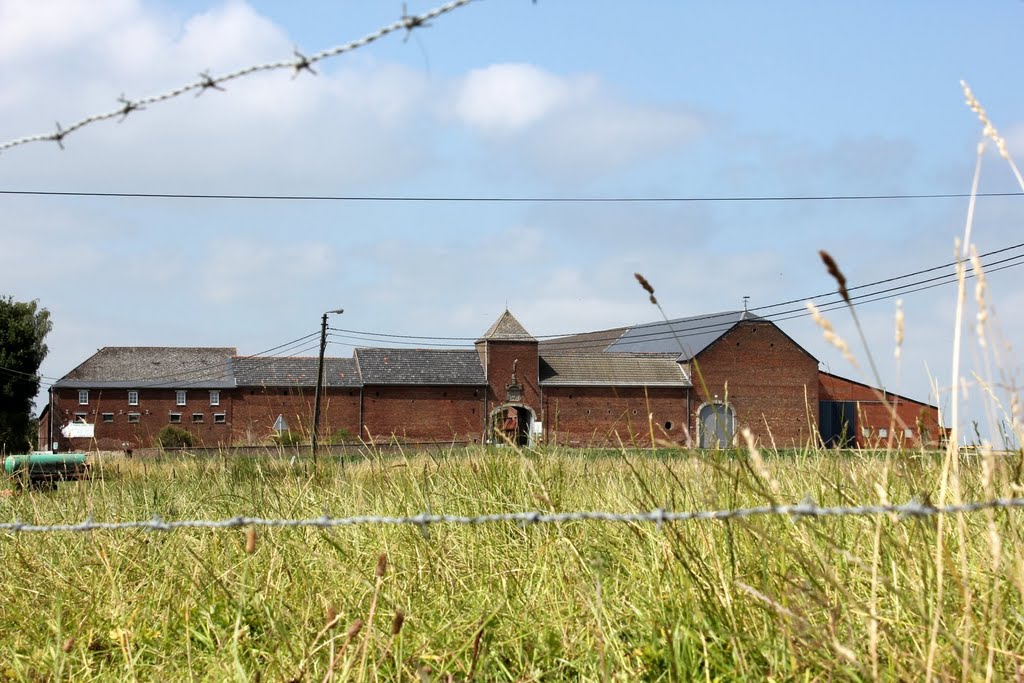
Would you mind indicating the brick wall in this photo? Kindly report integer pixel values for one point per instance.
(255, 410)
(917, 423)
(610, 416)
(154, 413)
(423, 413)
(772, 383)
(499, 357)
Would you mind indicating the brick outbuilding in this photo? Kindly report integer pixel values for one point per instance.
(690, 381)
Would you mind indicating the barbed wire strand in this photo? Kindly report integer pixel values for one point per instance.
(807, 509)
(298, 64)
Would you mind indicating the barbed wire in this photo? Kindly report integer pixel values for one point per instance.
(806, 509)
(298, 63)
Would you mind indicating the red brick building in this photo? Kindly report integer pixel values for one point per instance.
(691, 381)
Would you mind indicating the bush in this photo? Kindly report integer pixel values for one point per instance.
(342, 436)
(175, 437)
(287, 438)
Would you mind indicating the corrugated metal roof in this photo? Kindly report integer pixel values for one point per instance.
(268, 371)
(619, 369)
(135, 367)
(420, 366)
(685, 337)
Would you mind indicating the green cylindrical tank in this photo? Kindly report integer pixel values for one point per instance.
(44, 462)
(44, 470)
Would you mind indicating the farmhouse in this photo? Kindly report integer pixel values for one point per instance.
(690, 381)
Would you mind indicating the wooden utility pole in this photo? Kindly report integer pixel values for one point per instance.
(315, 441)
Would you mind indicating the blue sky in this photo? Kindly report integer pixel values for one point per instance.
(502, 98)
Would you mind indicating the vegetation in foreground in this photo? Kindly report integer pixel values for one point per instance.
(838, 598)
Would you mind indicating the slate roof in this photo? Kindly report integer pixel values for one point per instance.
(420, 366)
(133, 367)
(270, 371)
(606, 369)
(507, 328)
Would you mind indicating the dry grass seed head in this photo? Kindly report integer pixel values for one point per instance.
(830, 334)
(647, 286)
(382, 565)
(397, 621)
(899, 328)
(837, 275)
(980, 295)
(250, 540)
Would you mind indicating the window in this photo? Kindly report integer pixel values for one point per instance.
(883, 432)
(908, 432)
(215, 397)
(133, 398)
(180, 397)
(108, 417)
(197, 417)
(133, 418)
(83, 397)
(81, 418)
(220, 418)
(175, 418)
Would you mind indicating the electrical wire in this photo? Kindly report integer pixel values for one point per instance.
(676, 199)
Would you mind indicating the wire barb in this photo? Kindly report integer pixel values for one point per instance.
(302, 63)
(207, 82)
(128, 107)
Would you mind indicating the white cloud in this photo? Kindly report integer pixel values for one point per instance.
(503, 98)
(568, 127)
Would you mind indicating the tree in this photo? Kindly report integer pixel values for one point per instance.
(23, 327)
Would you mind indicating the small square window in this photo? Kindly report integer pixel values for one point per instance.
(133, 418)
(220, 418)
(197, 417)
(909, 432)
(81, 418)
(215, 398)
(180, 397)
(175, 418)
(83, 397)
(133, 398)
(108, 417)
(883, 432)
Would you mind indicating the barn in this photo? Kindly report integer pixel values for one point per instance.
(690, 381)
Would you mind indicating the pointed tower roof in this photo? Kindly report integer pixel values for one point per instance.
(507, 328)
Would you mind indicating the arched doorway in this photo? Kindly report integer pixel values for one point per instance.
(716, 425)
(511, 424)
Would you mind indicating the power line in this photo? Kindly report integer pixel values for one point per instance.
(553, 339)
(297, 64)
(465, 199)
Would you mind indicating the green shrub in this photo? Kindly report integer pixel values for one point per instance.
(342, 436)
(175, 437)
(287, 438)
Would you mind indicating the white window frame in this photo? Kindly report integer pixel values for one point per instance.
(215, 397)
(198, 418)
(174, 418)
(134, 418)
(180, 397)
(220, 418)
(104, 416)
(83, 397)
(133, 397)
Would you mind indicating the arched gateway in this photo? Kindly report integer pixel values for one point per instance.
(511, 424)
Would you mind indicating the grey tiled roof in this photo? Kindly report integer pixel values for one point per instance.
(135, 367)
(269, 371)
(507, 328)
(420, 366)
(606, 369)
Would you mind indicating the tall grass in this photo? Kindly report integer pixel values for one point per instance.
(846, 598)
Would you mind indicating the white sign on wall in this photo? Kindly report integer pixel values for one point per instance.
(538, 427)
(78, 430)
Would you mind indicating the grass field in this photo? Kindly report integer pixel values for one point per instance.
(839, 598)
